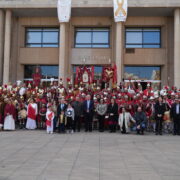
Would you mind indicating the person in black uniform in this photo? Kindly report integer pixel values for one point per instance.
(175, 114)
(113, 115)
(159, 113)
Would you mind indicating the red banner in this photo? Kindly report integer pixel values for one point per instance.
(109, 73)
(84, 74)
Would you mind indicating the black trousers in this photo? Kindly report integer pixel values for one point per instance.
(159, 121)
(54, 123)
(140, 130)
(113, 123)
(88, 122)
(101, 122)
(77, 123)
(123, 128)
(177, 126)
(61, 128)
(69, 124)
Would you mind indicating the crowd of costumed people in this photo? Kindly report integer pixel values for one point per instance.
(57, 109)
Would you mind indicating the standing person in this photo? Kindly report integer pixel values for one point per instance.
(101, 110)
(22, 115)
(42, 114)
(9, 116)
(78, 111)
(32, 112)
(141, 120)
(159, 113)
(113, 115)
(49, 119)
(2, 105)
(62, 122)
(175, 114)
(124, 121)
(61, 107)
(54, 108)
(70, 118)
(88, 107)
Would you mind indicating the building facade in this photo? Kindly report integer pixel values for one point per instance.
(145, 48)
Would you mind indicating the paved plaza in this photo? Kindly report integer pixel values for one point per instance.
(34, 155)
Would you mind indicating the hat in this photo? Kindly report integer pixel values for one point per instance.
(156, 96)
(172, 94)
(60, 81)
(49, 105)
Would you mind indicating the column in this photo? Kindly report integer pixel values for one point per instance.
(62, 52)
(1, 44)
(177, 47)
(119, 51)
(7, 45)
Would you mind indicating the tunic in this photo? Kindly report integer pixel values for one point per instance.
(31, 116)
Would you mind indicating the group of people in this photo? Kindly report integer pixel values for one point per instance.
(65, 110)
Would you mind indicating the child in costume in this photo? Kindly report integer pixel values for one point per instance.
(22, 115)
(49, 120)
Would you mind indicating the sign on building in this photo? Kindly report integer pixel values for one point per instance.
(120, 10)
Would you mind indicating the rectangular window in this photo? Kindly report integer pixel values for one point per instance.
(142, 73)
(143, 38)
(47, 72)
(42, 37)
(92, 38)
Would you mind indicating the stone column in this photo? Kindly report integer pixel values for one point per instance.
(1, 44)
(62, 51)
(7, 46)
(177, 47)
(119, 51)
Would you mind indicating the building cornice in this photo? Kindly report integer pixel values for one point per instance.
(86, 3)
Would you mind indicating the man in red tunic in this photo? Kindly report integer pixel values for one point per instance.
(37, 78)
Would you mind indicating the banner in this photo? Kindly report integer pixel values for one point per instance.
(84, 74)
(120, 10)
(64, 10)
(110, 73)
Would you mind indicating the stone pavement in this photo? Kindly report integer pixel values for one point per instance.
(35, 155)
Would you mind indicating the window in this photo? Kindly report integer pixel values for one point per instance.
(142, 73)
(143, 38)
(42, 37)
(92, 38)
(47, 72)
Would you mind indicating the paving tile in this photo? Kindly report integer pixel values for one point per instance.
(34, 155)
